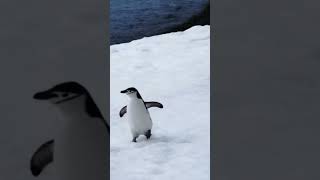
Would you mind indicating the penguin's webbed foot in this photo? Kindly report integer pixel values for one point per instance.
(134, 139)
(148, 134)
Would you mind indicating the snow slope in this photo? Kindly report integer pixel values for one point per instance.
(174, 70)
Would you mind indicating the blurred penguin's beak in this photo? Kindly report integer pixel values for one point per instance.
(44, 95)
(124, 91)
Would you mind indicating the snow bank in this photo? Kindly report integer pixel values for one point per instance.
(174, 70)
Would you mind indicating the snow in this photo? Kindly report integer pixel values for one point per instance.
(173, 69)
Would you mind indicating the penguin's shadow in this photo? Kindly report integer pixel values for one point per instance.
(143, 141)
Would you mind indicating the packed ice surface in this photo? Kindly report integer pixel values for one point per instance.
(173, 69)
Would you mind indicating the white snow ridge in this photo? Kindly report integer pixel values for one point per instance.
(173, 69)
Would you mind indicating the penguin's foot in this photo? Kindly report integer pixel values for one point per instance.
(134, 139)
(148, 134)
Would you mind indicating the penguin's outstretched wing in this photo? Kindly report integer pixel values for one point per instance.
(42, 157)
(153, 104)
(147, 104)
(123, 111)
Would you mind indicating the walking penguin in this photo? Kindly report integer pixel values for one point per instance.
(139, 119)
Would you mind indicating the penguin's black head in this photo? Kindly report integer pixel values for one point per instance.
(131, 92)
(61, 93)
(67, 92)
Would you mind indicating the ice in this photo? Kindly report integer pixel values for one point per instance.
(173, 69)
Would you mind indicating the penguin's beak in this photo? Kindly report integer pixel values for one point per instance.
(124, 91)
(44, 95)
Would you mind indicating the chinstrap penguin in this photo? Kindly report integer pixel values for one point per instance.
(79, 150)
(139, 119)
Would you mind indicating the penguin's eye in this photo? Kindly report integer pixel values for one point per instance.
(64, 94)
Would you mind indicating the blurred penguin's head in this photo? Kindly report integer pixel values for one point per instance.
(62, 93)
(72, 98)
(131, 92)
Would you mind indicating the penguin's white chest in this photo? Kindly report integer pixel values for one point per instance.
(138, 117)
(80, 150)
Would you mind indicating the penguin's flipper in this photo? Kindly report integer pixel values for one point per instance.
(123, 111)
(153, 104)
(41, 158)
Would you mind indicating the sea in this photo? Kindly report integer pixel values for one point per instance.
(135, 19)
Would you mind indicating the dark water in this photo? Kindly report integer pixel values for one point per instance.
(134, 19)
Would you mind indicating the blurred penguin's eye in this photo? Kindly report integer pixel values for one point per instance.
(65, 94)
